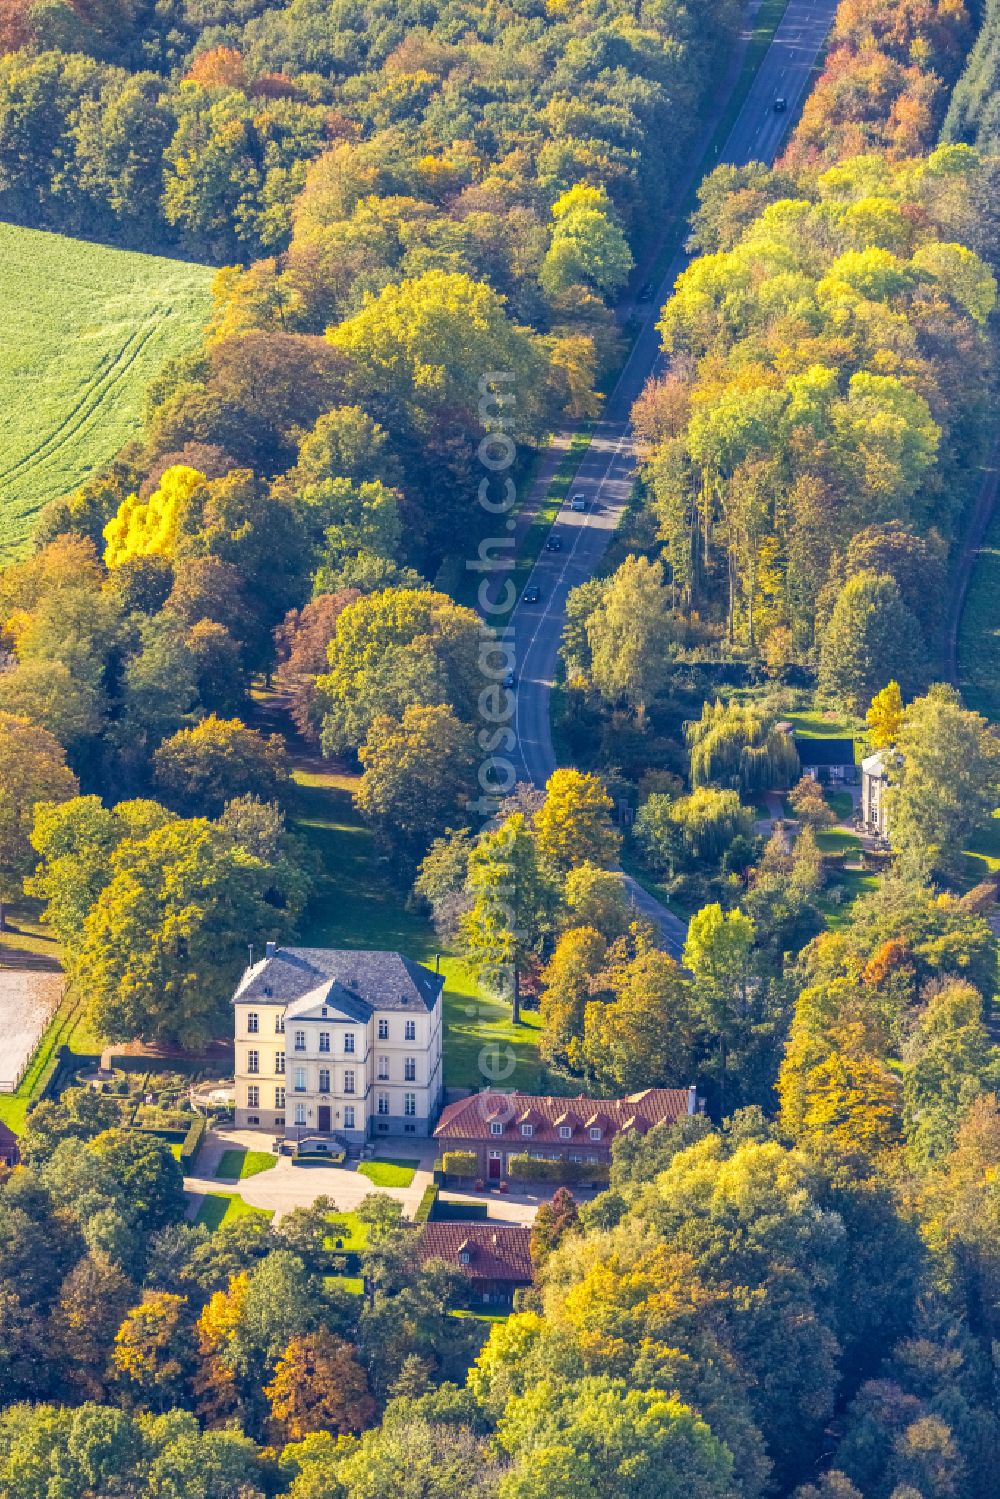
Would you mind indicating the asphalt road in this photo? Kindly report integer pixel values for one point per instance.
(607, 472)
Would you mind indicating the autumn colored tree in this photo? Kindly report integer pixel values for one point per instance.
(201, 769)
(573, 825)
(318, 1385)
(885, 716)
(568, 982)
(33, 770)
(417, 775)
(302, 642)
(512, 898)
(154, 1352)
(810, 805)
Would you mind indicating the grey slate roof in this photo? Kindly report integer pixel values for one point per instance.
(355, 982)
(820, 752)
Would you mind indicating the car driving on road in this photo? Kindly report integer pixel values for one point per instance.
(532, 594)
(780, 104)
(553, 543)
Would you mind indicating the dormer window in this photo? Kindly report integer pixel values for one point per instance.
(565, 1133)
(595, 1133)
(464, 1258)
(324, 1012)
(268, 991)
(527, 1129)
(496, 1128)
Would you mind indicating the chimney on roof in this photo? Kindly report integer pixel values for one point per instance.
(270, 949)
(693, 1099)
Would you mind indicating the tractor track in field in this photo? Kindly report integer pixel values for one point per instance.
(90, 403)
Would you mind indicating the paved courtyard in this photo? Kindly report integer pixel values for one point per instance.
(286, 1186)
(28, 1000)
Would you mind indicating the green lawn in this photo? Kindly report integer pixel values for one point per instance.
(823, 723)
(389, 1173)
(842, 803)
(356, 905)
(851, 883)
(235, 1165)
(982, 855)
(86, 329)
(217, 1208)
(836, 841)
(979, 631)
(353, 1284)
(349, 1229)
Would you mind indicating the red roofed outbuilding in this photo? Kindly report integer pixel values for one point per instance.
(494, 1257)
(495, 1126)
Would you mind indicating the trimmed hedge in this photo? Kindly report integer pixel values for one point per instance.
(192, 1142)
(555, 1169)
(459, 1212)
(425, 1207)
(460, 1163)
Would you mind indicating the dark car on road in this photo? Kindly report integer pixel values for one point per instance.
(509, 679)
(532, 594)
(553, 544)
(780, 105)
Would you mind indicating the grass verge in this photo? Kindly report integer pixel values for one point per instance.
(347, 1233)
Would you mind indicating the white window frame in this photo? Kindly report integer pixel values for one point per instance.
(253, 1062)
(253, 1096)
(565, 1132)
(279, 1098)
(595, 1133)
(409, 1106)
(382, 1104)
(324, 1041)
(348, 1041)
(496, 1128)
(300, 1040)
(349, 1080)
(409, 1069)
(349, 1116)
(383, 1030)
(300, 1114)
(253, 1023)
(300, 1080)
(279, 1063)
(527, 1130)
(324, 1080)
(382, 1070)
(410, 1030)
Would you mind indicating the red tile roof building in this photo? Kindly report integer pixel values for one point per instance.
(9, 1153)
(496, 1126)
(495, 1257)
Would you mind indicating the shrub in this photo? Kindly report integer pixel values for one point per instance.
(555, 1169)
(425, 1207)
(192, 1142)
(459, 1212)
(460, 1163)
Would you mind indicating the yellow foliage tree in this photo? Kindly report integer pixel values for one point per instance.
(318, 1385)
(885, 716)
(143, 528)
(574, 826)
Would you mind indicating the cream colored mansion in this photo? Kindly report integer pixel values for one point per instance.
(335, 1042)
